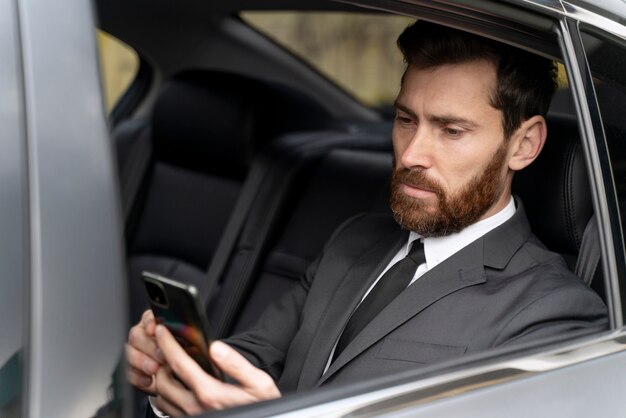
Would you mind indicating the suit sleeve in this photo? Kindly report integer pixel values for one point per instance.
(572, 310)
(267, 343)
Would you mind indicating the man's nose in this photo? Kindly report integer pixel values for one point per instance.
(419, 151)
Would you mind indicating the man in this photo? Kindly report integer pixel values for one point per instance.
(468, 116)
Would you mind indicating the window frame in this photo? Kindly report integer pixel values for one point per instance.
(599, 166)
(75, 286)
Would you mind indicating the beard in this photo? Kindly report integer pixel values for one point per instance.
(451, 212)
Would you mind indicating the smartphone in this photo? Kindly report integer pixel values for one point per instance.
(177, 306)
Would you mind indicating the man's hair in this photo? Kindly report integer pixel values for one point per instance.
(525, 81)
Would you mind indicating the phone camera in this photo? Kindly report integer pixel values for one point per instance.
(156, 293)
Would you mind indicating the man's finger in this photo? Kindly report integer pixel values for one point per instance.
(141, 361)
(148, 322)
(167, 407)
(185, 368)
(175, 393)
(239, 368)
(140, 380)
(147, 314)
(141, 340)
(208, 391)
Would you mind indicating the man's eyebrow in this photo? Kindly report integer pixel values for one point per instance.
(453, 120)
(441, 119)
(404, 109)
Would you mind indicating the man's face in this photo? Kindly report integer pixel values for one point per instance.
(451, 158)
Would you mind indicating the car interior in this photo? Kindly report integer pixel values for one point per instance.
(301, 184)
(233, 179)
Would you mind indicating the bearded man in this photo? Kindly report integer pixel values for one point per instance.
(467, 276)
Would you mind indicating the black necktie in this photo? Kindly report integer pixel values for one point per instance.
(394, 281)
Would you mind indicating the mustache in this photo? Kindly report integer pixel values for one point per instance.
(416, 178)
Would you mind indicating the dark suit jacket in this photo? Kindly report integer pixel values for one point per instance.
(503, 288)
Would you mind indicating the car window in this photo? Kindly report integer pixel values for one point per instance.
(607, 60)
(119, 65)
(12, 218)
(356, 51)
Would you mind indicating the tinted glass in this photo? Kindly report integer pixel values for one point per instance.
(119, 64)
(607, 60)
(356, 51)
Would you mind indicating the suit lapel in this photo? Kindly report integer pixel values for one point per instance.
(349, 293)
(461, 270)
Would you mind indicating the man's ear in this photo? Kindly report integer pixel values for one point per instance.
(528, 142)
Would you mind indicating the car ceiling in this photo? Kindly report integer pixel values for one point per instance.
(115, 14)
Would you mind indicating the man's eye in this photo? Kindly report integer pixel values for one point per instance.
(403, 119)
(453, 133)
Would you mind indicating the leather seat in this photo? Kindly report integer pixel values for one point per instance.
(345, 182)
(205, 129)
(555, 191)
(555, 188)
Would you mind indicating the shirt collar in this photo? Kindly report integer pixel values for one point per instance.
(437, 249)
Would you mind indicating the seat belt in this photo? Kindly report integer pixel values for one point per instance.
(281, 177)
(279, 166)
(262, 165)
(254, 179)
(589, 254)
(135, 166)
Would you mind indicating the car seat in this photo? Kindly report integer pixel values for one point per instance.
(555, 187)
(204, 131)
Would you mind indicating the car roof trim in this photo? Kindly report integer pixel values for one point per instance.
(533, 31)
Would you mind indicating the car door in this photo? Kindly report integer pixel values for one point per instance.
(12, 216)
(61, 293)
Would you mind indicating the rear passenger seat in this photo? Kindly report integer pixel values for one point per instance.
(204, 131)
(344, 182)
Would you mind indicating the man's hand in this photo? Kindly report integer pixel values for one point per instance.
(193, 391)
(143, 356)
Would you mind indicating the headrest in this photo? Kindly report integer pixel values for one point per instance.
(215, 122)
(555, 188)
